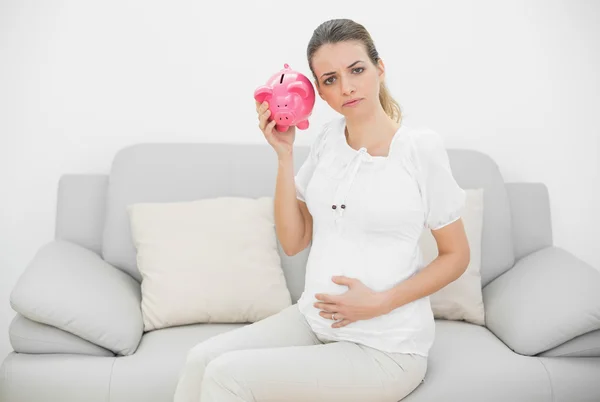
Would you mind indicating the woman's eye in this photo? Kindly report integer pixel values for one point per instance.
(356, 70)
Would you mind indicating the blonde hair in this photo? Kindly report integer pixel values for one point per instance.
(340, 30)
(391, 107)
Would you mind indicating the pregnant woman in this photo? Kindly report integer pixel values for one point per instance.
(362, 329)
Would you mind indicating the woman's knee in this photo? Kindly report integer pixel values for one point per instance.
(222, 375)
(201, 355)
(217, 368)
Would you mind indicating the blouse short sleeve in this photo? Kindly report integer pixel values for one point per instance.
(307, 168)
(443, 198)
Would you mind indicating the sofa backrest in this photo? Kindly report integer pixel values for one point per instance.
(474, 169)
(181, 172)
(161, 172)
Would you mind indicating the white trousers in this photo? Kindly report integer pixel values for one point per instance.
(280, 359)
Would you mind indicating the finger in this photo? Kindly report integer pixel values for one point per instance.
(326, 298)
(326, 306)
(262, 107)
(265, 115)
(328, 315)
(263, 118)
(340, 324)
(269, 128)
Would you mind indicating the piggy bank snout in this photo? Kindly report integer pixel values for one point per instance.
(283, 116)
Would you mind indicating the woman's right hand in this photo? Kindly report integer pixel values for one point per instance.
(282, 143)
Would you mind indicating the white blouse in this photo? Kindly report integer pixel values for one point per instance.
(368, 215)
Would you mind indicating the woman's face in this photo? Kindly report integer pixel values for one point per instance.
(345, 73)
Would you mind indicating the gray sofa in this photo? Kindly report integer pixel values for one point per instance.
(78, 335)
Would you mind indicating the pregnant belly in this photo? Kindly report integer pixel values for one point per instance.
(379, 266)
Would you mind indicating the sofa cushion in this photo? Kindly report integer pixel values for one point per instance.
(586, 345)
(56, 377)
(140, 378)
(28, 336)
(547, 299)
(468, 363)
(185, 172)
(463, 298)
(573, 379)
(73, 289)
(210, 260)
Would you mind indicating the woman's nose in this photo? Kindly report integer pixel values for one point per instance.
(347, 87)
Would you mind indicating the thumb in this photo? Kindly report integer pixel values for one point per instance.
(343, 280)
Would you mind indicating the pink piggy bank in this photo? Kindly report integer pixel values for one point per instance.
(291, 98)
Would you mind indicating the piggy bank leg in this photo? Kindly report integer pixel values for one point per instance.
(281, 129)
(303, 125)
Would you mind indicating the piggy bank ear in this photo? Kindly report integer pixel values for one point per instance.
(261, 93)
(298, 87)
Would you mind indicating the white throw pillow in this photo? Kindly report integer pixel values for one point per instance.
(463, 298)
(208, 261)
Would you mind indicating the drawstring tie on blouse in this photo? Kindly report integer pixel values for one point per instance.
(349, 175)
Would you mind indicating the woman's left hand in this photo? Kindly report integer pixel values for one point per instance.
(358, 303)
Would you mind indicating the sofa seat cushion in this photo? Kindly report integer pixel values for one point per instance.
(151, 373)
(468, 363)
(26, 377)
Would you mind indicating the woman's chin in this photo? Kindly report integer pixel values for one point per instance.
(356, 111)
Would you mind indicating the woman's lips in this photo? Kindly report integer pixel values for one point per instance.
(353, 103)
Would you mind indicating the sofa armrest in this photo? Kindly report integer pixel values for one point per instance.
(74, 289)
(33, 337)
(549, 297)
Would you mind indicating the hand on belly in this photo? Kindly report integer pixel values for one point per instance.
(355, 302)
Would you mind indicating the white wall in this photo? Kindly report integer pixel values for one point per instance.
(80, 80)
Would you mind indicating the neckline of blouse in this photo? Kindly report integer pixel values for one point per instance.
(351, 152)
